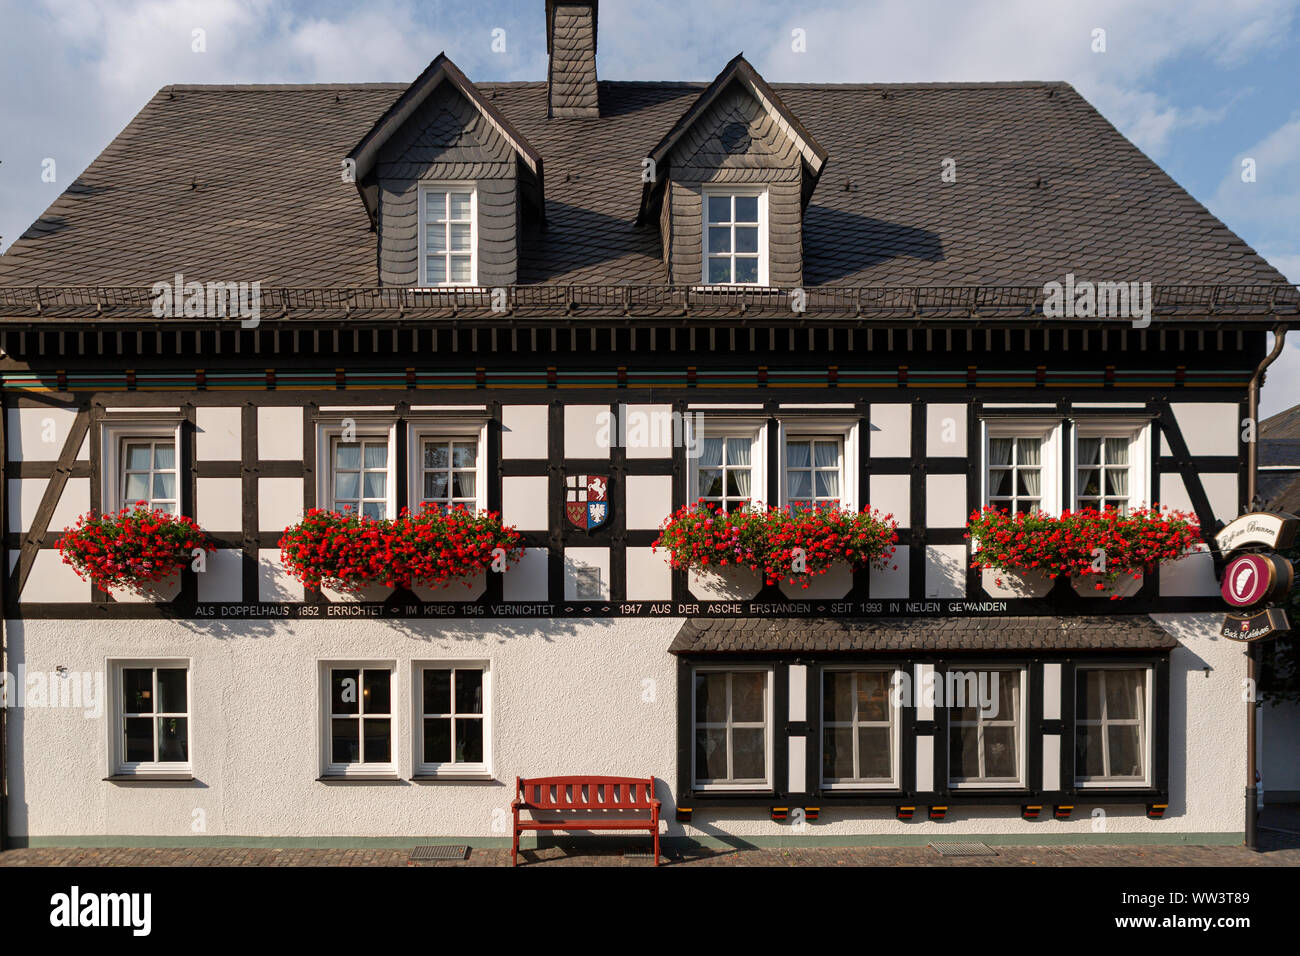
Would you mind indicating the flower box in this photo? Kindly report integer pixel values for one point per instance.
(780, 546)
(733, 583)
(1089, 546)
(1016, 584)
(137, 552)
(358, 558)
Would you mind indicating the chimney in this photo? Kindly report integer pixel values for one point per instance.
(571, 44)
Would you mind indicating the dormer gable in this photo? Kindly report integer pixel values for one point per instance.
(449, 185)
(729, 183)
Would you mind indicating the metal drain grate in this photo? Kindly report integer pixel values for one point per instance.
(439, 852)
(963, 849)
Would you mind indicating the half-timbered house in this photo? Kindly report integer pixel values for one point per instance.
(750, 292)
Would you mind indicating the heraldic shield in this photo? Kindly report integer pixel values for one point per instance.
(587, 500)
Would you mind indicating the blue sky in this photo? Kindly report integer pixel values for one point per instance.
(1198, 84)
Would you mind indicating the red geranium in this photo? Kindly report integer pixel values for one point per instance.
(781, 544)
(130, 548)
(347, 551)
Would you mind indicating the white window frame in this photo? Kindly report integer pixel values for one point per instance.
(895, 731)
(1021, 725)
(727, 426)
(327, 435)
(113, 439)
(118, 764)
(471, 187)
(450, 430)
(805, 428)
(1139, 455)
(1049, 430)
(724, 190)
(769, 729)
(451, 771)
(325, 716)
(1147, 727)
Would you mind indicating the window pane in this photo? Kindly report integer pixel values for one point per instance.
(999, 451)
(738, 451)
(373, 509)
(164, 486)
(746, 269)
(837, 753)
(711, 452)
(1000, 756)
(1089, 483)
(748, 759)
(747, 699)
(436, 269)
(746, 209)
(376, 485)
(437, 692)
(376, 455)
(164, 455)
(375, 692)
(460, 269)
(999, 483)
(137, 690)
(347, 484)
(873, 695)
(1088, 755)
(137, 488)
(137, 457)
(347, 454)
(435, 205)
(711, 697)
(437, 739)
(828, 484)
(963, 757)
(139, 739)
(345, 740)
(469, 740)
(1029, 451)
(173, 739)
(1121, 694)
(711, 753)
(798, 454)
(1089, 451)
(719, 209)
(747, 239)
(378, 732)
(345, 691)
(837, 697)
(436, 238)
(171, 691)
(464, 454)
(1007, 689)
(719, 270)
(737, 484)
(719, 238)
(874, 761)
(435, 454)
(460, 202)
(459, 237)
(1117, 451)
(711, 484)
(469, 692)
(463, 484)
(1125, 751)
(799, 485)
(435, 486)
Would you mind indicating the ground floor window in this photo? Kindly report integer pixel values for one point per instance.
(985, 735)
(731, 728)
(453, 732)
(859, 726)
(1112, 725)
(152, 717)
(359, 718)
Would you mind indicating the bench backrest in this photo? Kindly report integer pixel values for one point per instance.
(586, 793)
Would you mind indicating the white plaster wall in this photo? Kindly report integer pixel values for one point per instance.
(1279, 764)
(569, 696)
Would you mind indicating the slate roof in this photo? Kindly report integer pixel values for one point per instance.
(243, 182)
(1282, 427)
(827, 635)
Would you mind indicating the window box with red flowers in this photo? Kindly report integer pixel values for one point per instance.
(137, 551)
(777, 546)
(431, 550)
(1104, 553)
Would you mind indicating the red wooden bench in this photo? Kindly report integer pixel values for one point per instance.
(584, 803)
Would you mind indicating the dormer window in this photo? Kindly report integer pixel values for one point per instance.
(735, 236)
(448, 240)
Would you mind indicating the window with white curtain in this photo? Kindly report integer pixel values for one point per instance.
(730, 719)
(725, 470)
(1112, 725)
(859, 729)
(1016, 473)
(1111, 464)
(814, 472)
(985, 746)
(448, 240)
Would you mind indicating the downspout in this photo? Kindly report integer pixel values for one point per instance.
(1252, 651)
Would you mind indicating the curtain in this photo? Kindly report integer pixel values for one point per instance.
(710, 453)
(827, 456)
(1029, 452)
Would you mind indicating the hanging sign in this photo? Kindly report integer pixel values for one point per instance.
(1251, 579)
(1272, 529)
(1255, 627)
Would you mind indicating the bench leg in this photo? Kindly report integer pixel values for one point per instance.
(656, 843)
(514, 842)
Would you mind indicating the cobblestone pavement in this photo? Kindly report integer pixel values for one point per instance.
(1279, 841)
